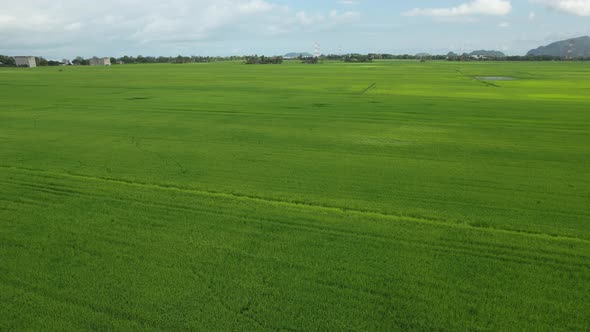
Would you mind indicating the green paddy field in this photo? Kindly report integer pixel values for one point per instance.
(391, 196)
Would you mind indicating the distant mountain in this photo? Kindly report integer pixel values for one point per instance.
(296, 55)
(575, 48)
(490, 54)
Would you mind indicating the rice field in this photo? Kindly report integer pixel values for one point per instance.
(395, 196)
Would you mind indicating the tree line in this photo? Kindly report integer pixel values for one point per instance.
(264, 60)
(449, 57)
(8, 61)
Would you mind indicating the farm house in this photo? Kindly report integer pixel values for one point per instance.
(100, 62)
(25, 61)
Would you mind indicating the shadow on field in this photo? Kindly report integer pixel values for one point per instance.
(138, 98)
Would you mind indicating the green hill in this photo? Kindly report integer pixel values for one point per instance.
(576, 48)
(491, 54)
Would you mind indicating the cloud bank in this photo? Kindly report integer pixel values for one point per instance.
(576, 7)
(116, 24)
(476, 7)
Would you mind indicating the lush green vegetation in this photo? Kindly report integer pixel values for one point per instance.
(220, 196)
(357, 58)
(7, 61)
(263, 60)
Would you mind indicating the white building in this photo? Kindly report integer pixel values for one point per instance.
(100, 61)
(25, 61)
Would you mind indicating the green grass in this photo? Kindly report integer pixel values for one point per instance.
(384, 196)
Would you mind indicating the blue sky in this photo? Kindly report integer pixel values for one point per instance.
(66, 28)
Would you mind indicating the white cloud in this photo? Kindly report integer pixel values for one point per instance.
(111, 25)
(532, 16)
(504, 25)
(576, 7)
(475, 7)
(345, 17)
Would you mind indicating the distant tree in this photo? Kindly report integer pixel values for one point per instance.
(452, 56)
(310, 60)
(42, 62)
(181, 59)
(201, 59)
(357, 58)
(80, 61)
(7, 61)
(127, 59)
(163, 59)
(263, 60)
